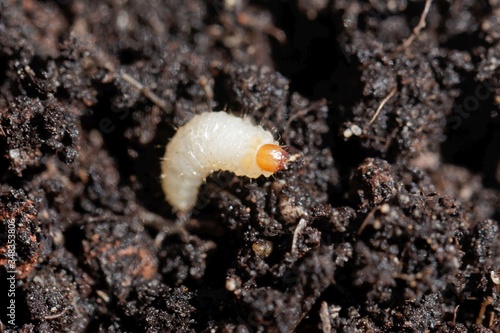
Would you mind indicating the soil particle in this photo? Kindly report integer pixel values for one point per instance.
(33, 129)
(19, 227)
(372, 184)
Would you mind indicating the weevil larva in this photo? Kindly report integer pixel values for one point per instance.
(215, 141)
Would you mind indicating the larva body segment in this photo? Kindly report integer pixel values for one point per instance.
(214, 141)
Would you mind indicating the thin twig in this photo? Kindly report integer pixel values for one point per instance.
(492, 319)
(455, 314)
(302, 224)
(366, 220)
(421, 24)
(324, 314)
(57, 315)
(179, 228)
(482, 310)
(145, 91)
(384, 101)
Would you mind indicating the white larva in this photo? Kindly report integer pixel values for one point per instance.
(215, 141)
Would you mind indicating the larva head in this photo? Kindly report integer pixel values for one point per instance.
(271, 158)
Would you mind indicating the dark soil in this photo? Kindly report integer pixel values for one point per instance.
(386, 222)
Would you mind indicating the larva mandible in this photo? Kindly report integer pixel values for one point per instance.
(215, 141)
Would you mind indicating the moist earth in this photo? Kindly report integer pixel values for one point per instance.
(386, 219)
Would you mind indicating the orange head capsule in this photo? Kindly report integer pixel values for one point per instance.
(271, 158)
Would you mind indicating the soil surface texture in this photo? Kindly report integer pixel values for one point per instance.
(385, 220)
